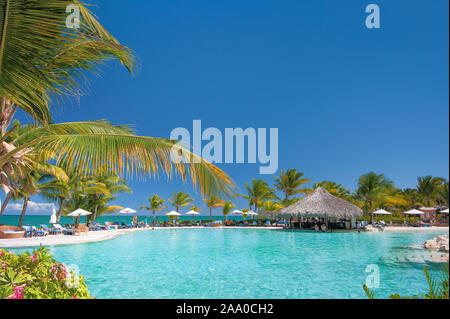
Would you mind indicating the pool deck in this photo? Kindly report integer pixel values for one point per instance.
(91, 237)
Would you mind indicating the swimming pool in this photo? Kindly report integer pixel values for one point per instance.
(247, 263)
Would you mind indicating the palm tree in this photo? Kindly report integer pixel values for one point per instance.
(370, 187)
(226, 210)
(258, 192)
(428, 187)
(114, 185)
(180, 199)
(444, 194)
(272, 207)
(290, 183)
(213, 202)
(156, 204)
(44, 65)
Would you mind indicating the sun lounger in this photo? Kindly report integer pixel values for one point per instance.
(28, 231)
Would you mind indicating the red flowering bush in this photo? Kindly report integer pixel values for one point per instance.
(38, 276)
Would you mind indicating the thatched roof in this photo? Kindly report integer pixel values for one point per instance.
(323, 204)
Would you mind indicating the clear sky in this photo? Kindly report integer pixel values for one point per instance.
(346, 99)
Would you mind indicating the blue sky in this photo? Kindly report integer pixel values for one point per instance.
(346, 99)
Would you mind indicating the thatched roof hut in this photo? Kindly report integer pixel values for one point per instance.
(324, 205)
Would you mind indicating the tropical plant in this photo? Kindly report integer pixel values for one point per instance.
(290, 183)
(180, 199)
(258, 192)
(156, 204)
(226, 210)
(443, 192)
(38, 276)
(213, 202)
(42, 65)
(371, 187)
(428, 187)
(438, 288)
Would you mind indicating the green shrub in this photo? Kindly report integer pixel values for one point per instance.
(38, 276)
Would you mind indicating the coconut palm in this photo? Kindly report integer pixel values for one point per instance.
(180, 199)
(428, 187)
(156, 204)
(371, 187)
(443, 192)
(290, 183)
(226, 210)
(258, 192)
(41, 62)
(271, 207)
(114, 185)
(213, 202)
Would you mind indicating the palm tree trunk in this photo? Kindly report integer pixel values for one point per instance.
(5, 203)
(154, 215)
(95, 213)
(7, 111)
(24, 209)
(210, 214)
(61, 207)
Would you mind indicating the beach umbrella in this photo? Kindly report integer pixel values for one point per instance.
(444, 211)
(192, 213)
(78, 213)
(413, 212)
(382, 212)
(53, 218)
(237, 212)
(252, 214)
(127, 211)
(173, 214)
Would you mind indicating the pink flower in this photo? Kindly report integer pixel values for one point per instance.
(34, 258)
(1, 254)
(18, 292)
(74, 297)
(5, 265)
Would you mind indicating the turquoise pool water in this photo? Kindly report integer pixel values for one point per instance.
(247, 263)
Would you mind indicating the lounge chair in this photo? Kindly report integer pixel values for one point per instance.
(29, 232)
(11, 232)
(268, 224)
(41, 232)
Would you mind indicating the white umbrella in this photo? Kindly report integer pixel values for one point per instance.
(382, 212)
(53, 218)
(252, 213)
(445, 211)
(173, 214)
(127, 211)
(78, 213)
(192, 213)
(237, 212)
(413, 212)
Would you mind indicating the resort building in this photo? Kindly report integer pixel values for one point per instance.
(429, 213)
(321, 209)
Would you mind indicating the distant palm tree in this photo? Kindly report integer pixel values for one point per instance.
(181, 199)
(272, 207)
(213, 202)
(290, 184)
(428, 187)
(226, 210)
(156, 204)
(444, 194)
(370, 187)
(258, 192)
